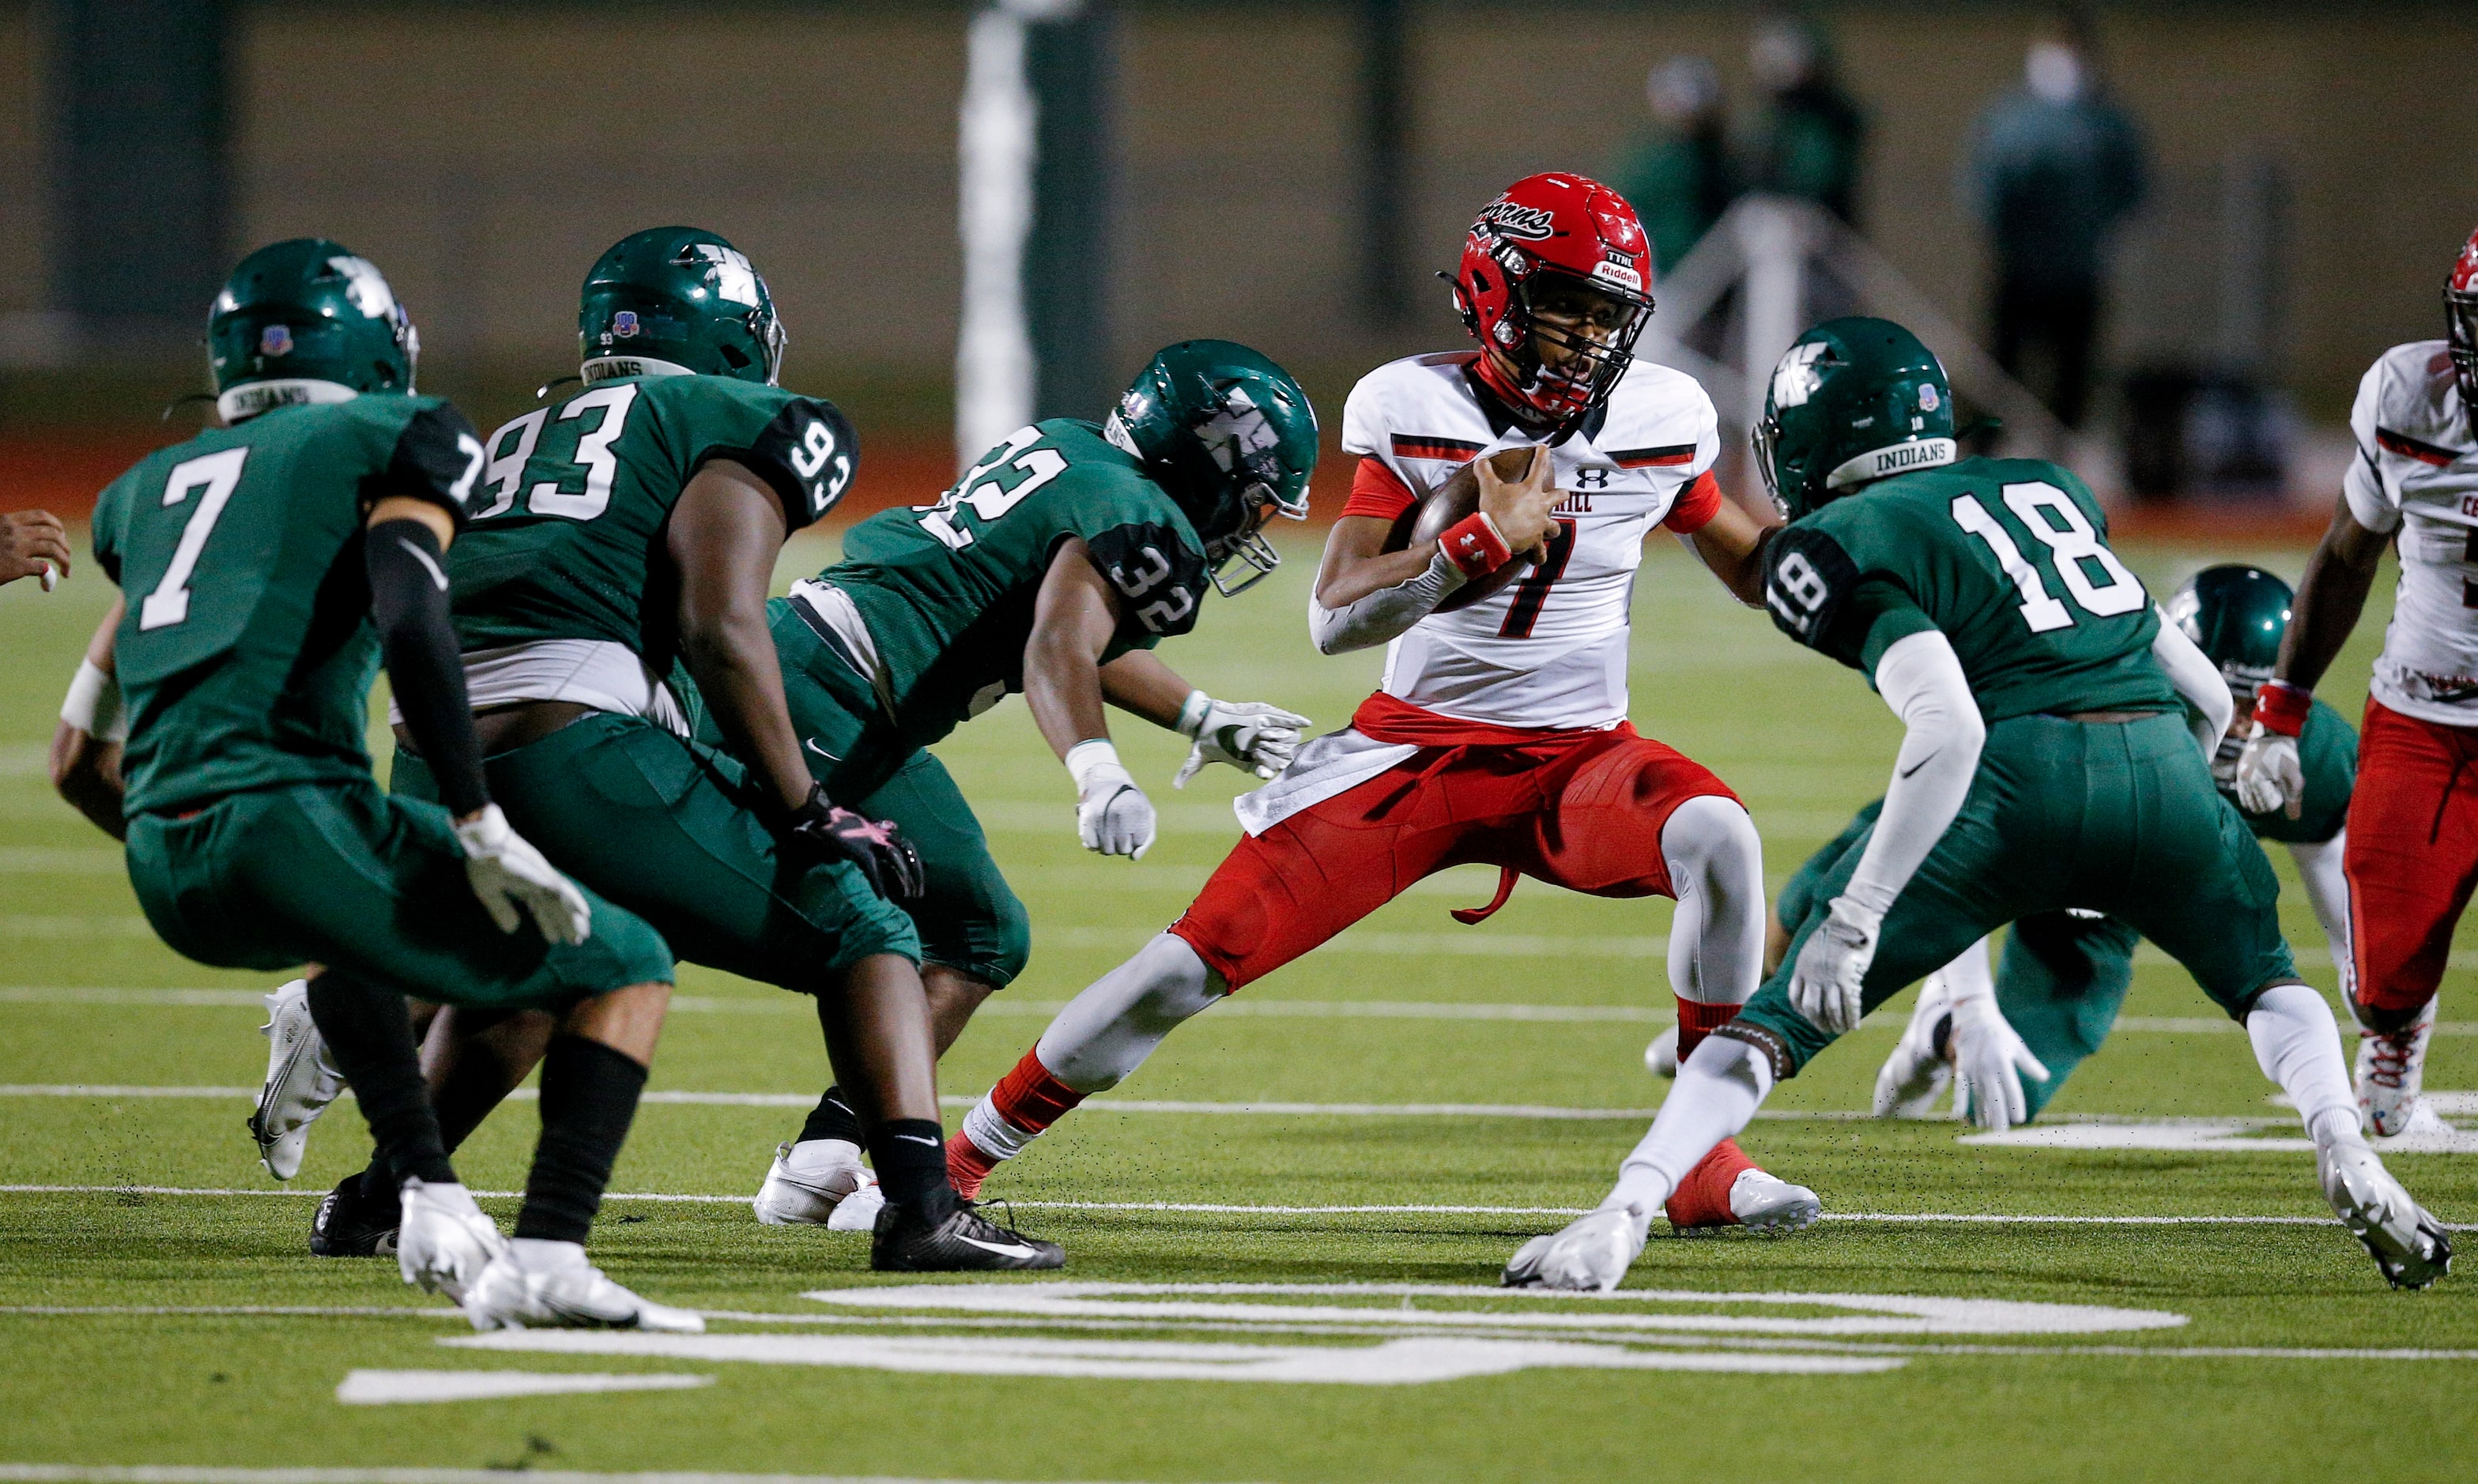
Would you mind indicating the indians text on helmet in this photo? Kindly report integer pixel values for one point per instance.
(727, 270)
(1796, 378)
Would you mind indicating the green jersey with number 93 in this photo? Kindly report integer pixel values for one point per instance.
(246, 653)
(568, 514)
(948, 590)
(2008, 558)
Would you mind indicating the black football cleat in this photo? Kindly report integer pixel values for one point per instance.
(905, 1241)
(349, 1225)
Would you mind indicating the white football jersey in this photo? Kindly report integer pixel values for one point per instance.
(1549, 649)
(2417, 474)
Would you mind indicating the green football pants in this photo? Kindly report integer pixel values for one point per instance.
(663, 827)
(969, 919)
(2120, 818)
(347, 876)
(2061, 979)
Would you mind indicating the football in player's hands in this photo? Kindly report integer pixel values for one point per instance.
(1452, 502)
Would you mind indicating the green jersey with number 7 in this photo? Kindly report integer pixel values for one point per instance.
(2007, 557)
(567, 517)
(246, 655)
(948, 590)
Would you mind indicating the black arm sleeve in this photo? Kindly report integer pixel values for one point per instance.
(409, 604)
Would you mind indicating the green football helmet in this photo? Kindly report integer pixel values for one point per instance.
(306, 320)
(1231, 438)
(2237, 615)
(1853, 400)
(674, 299)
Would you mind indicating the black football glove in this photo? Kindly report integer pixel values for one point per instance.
(823, 831)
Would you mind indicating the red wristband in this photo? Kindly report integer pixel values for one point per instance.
(1473, 544)
(2281, 708)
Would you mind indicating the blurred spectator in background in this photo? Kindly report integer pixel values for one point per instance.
(1807, 137)
(2054, 168)
(1679, 178)
(33, 544)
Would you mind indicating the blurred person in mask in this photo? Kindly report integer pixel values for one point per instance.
(1679, 176)
(1809, 134)
(2054, 168)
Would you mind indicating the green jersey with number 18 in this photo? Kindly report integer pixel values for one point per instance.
(569, 514)
(947, 591)
(246, 653)
(2008, 558)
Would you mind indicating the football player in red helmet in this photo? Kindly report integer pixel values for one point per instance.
(1501, 732)
(2411, 857)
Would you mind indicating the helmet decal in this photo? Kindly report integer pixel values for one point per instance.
(623, 323)
(1796, 379)
(1929, 399)
(729, 272)
(1510, 218)
(364, 286)
(276, 340)
(1238, 436)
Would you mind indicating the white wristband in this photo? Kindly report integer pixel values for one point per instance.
(1192, 715)
(94, 704)
(1092, 758)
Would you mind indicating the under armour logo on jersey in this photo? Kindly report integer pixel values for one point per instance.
(1591, 477)
(727, 270)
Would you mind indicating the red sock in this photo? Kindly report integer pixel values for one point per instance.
(1702, 1197)
(1025, 1102)
(1697, 1021)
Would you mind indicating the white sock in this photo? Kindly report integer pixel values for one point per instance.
(2297, 1043)
(1718, 1090)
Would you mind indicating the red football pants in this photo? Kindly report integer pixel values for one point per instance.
(1584, 813)
(2413, 854)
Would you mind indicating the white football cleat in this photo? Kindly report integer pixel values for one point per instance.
(1591, 1255)
(2391, 1068)
(1771, 1206)
(819, 1182)
(444, 1240)
(1660, 1058)
(2408, 1246)
(300, 1081)
(1916, 1073)
(536, 1284)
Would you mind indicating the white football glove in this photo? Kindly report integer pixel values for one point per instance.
(1250, 736)
(443, 1240)
(1112, 814)
(1591, 1255)
(515, 882)
(1990, 1062)
(2270, 775)
(1825, 985)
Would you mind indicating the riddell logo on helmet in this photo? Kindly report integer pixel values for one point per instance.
(1514, 220)
(1622, 275)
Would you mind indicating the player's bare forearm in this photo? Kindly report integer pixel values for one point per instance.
(2330, 596)
(1357, 562)
(723, 537)
(1139, 683)
(1731, 544)
(1073, 619)
(85, 769)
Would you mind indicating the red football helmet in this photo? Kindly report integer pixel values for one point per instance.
(1564, 230)
(2460, 324)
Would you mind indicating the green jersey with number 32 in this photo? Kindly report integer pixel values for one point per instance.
(2008, 558)
(948, 590)
(246, 653)
(569, 514)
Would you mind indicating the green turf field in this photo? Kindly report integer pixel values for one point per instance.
(1398, 1112)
